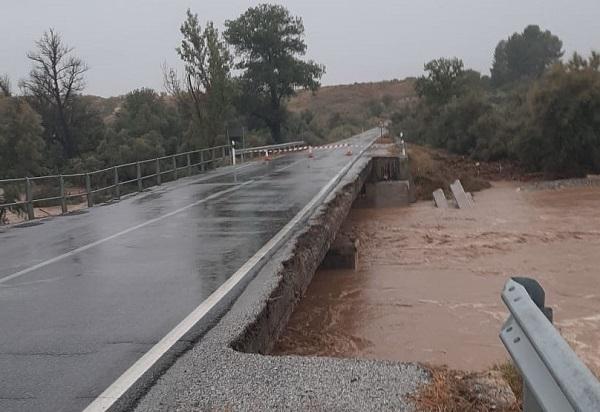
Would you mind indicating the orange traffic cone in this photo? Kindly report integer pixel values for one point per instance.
(310, 152)
(267, 157)
(349, 152)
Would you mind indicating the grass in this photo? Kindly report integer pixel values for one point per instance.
(513, 378)
(458, 391)
(445, 393)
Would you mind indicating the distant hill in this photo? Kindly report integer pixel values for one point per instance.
(338, 111)
(105, 106)
(353, 98)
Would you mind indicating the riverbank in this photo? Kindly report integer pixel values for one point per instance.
(429, 282)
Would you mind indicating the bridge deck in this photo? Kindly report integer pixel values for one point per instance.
(82, 297)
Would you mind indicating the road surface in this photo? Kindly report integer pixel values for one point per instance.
(82, 297)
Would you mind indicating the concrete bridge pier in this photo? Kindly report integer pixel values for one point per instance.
(388, 184)
(343, 253)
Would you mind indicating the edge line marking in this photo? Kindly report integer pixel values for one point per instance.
(138, 226)
(121, 233)
(131, 376)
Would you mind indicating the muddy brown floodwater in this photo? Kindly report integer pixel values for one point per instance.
(429, 281)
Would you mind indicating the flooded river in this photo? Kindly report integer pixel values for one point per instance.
(429, 281)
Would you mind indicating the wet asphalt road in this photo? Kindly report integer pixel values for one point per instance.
(82, 297)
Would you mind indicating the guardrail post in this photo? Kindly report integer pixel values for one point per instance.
(29, 199)
(213, 157)
(88, 190)
(158, 179)
(189, 164)
(117, 184)
(139, 177)
(537, 294)
(63, 199)
(224, 153)
(174, 159)
(202, 165)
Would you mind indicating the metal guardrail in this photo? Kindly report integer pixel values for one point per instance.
(113, 182)
(554, 378)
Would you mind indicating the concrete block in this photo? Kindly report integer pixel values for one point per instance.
(439, 198)
(392, 193)
(463, 201)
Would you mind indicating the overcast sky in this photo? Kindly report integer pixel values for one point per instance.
(125, 41)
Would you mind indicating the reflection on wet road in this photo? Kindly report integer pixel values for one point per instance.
(82, 297)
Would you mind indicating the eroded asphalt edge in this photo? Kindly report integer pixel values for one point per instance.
(132, 383)
(213, 376)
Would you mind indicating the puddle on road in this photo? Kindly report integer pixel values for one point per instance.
(429, 282)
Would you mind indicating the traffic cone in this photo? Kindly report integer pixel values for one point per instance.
(267, 157)
(349, 152)
(310, 152)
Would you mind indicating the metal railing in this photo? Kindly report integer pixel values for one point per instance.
(113, 182)
(554, 378)
(252, 152)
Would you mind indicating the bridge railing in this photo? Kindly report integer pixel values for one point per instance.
(554, 378)
(113, 182)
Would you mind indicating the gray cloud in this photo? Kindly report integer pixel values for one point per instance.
(126, 41)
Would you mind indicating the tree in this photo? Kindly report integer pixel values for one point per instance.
(54, 81)
(145, 126)
(456, 112)
(525, 55)
(442, 82)
(563, 133)
(208, 88)
(21, 142)
(578, 62)
(459, 117)
(5, 86)
(86, 124)
(269, 42)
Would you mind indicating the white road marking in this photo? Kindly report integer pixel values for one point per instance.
(182, 181)
(114, 392)
(131, 229)
(121, 233)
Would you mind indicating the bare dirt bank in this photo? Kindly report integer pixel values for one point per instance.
(429, 282)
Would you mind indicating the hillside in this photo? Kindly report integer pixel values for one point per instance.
(330, 114)
(103, 105)
(353, 98)
(334, 112)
